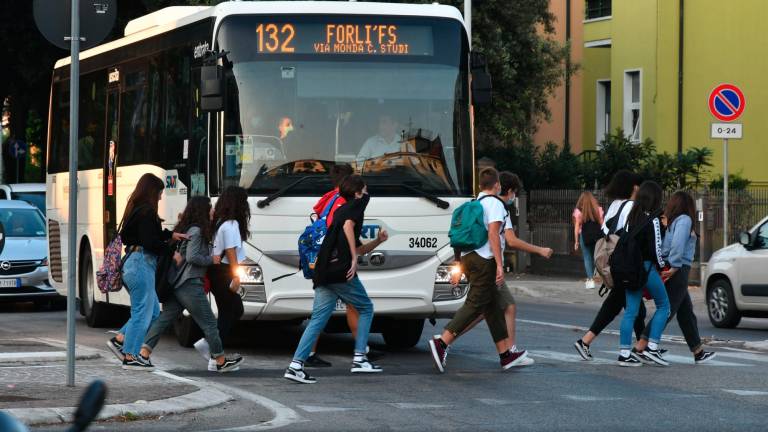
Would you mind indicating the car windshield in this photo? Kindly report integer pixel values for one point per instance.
(395, 119)
(37, 199)
(22, 222)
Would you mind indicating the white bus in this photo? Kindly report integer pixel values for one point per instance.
(288, 89)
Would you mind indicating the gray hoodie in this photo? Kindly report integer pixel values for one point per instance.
(197, 257)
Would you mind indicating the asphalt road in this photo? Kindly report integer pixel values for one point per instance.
(559, 392)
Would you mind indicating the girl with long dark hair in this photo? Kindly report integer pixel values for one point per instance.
(678, 250)
(621, 190)
(145, 240)
(648, 239)
(194, 258)
(231, 217)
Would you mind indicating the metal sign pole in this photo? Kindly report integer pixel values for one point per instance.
(74, 92)
(725, 192)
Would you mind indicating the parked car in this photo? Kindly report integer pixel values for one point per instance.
(737, 279)
(23, 259)
(33, 193)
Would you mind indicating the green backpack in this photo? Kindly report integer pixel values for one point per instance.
(468, 231)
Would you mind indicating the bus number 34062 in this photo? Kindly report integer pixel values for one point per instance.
(422, 242)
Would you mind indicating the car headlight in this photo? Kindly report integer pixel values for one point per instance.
(446, 270)
(250, 274)
(44, 262)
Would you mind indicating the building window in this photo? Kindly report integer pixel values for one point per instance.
(632, 105)
(598, 8)
(603, 111)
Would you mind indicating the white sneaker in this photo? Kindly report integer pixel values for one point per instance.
(589, 284)
(202, 347)
(212, 365)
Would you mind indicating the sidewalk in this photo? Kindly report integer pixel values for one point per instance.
(33, 377)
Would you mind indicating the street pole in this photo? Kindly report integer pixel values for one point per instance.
(468, 19)
(74, 92)
(725, 192)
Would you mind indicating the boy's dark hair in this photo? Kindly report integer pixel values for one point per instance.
(509, 181)
(351, 185)
(338, 172)
(622, 185)
(488, 178)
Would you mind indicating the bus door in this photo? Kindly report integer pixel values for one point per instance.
(110, 164)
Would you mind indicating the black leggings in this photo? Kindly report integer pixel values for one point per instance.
(229, 304)
(612, 306)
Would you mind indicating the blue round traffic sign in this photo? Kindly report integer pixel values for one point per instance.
(726, 102)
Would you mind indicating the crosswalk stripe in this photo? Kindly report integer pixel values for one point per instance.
(746, 392)
(321, 409)
(569, 358)
(405, 405)
(680, 359)
(743, 356)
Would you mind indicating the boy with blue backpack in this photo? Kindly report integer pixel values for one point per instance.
(477, 230)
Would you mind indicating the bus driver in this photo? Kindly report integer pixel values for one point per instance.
(388, 140)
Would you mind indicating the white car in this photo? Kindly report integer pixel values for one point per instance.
(737, 279)
(33, 193)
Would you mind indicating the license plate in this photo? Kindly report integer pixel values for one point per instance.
(340, 306)
(9, 283)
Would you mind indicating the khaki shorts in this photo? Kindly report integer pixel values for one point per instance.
(505, 296)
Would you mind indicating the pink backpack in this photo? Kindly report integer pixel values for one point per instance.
(109, 278)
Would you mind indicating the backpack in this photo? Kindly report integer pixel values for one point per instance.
(604, 248)
(591, 233)
(626, 261)
(468, 231)
(109, 277)
(311, 240)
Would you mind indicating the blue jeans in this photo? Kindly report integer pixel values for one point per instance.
(139, 277)
(659, 320)
(352, 293)
(190, 296)
(589, 257)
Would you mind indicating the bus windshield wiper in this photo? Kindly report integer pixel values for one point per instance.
(424, 194)
(265, 202)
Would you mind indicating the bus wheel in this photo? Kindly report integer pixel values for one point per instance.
(96, 313)
(187, 331)
(403, 333)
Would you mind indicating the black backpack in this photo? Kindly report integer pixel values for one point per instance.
(591, 232)
(626, 261)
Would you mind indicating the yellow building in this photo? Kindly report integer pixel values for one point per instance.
(648, 67)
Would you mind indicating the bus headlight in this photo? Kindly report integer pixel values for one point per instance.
(445, 271)
(250, 274)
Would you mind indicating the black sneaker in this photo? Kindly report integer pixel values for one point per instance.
(583, 350)
(365, 366)
(315, 361)
(116, 347)
(629, 361)
(138, 363)
(439, 354)
(298, 375)
(655, 355)
(637, 355)
(703, 356)
(662, 351)
(374, 355)
(230, 364)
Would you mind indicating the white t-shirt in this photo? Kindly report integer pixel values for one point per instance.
(613, 209)
(376, 146)
(228, 237)
(493, 211)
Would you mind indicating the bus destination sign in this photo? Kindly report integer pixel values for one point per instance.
(358, 38)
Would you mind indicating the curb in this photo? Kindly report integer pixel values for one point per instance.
(81, 353)
(201, 399)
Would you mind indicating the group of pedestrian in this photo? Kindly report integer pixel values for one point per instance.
(664, 238)
(205, 247)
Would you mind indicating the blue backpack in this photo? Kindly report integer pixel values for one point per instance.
(311, 240)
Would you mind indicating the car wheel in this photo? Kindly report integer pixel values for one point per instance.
(96, 313)
(721, 305)
(187, 331)
(403, 334)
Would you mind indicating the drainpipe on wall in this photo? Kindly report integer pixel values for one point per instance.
(680, 46)
(567, 126)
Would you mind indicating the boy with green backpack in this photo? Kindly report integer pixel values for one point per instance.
(477, 229)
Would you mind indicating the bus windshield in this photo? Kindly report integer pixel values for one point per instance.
(386, 96)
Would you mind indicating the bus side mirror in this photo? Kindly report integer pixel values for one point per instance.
(211, 88)
(481, 80)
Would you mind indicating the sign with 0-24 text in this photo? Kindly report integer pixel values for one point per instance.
(726, 130)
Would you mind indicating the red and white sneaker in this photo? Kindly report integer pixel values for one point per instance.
(439, 354)
(514, 359)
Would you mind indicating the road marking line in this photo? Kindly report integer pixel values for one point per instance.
(33, 355)
(744, 356)
(322, 409)
(568, 358)
(502, 402)
(580, 398)
(746, 392)
(679, 359)
(405, 405)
